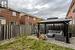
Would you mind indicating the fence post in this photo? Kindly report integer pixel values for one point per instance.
(0, 32)
(20, 30)
(7, 31)
(10, 31)
(24, 29)
(4, 31)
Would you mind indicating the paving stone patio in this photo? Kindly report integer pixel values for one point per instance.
(71, 45)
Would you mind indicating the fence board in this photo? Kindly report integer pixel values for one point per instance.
(9, 30)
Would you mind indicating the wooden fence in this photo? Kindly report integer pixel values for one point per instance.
(9, 31)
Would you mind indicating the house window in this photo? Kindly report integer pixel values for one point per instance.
(34, 19)
(13, 13)
(28, 17)
(3, 21)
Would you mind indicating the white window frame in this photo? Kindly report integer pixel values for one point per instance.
(14, 14)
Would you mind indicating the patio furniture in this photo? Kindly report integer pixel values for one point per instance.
(60, 38)
(70, 35)
(52, 33)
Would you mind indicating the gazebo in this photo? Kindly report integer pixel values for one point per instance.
(65, 22)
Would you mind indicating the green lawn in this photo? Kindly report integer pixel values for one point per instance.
(24, 43)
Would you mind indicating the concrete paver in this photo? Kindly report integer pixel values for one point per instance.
(59, 43)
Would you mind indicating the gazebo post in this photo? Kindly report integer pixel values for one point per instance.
(66, 32)
(38, 34)
(45, 27)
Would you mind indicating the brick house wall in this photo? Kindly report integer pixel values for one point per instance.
(71, 15)
(28, 22)
(24, 19)
(71, 12)
(7, 14)
(27, 19)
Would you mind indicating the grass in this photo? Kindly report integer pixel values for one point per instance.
(24, 43)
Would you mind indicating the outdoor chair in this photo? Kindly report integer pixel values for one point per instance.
(51, 34)
(60, 37)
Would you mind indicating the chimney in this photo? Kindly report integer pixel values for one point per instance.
(4, 3)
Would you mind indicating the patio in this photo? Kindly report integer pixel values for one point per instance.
(59, 43)
(71, 45)
(65, 36)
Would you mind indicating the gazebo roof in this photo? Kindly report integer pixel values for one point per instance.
(60, 20)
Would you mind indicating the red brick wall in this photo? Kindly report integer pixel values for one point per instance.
(7, 14)
(26, 19)
(71, 14)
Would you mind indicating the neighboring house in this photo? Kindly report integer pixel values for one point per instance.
(16, 22)
(29, 19)
(15, 17)
(26, 21)
(11, 16)
(71, 12)
(71, 15)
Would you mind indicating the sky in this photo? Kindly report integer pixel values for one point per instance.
(41, 8)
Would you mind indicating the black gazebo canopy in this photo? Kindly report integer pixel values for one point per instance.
(56, 21)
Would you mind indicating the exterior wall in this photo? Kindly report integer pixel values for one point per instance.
(24, 19)
(71, 14)
(26, 23)
(7, 14)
